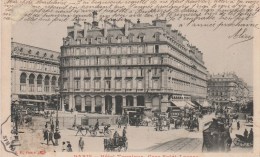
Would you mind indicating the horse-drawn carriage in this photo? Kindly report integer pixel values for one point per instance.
(216, 137)
(101, 131)
(242, 141)
(111, 144)
(162, 122)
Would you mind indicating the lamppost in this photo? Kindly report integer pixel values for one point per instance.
(57, 108)
(15, 119)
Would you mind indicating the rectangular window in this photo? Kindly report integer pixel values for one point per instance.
(87, 84)
(99, 40)
(87, 73)
(77, 73)
(108, 84)
(77, 51)
(139, 84)
(97, 84)
(118, 73)
(97, 73)
(120, 40)
(65, 84)
(77, 83)
(90, 41)
(107, 73)
(128, 84)
(109, 39)
(156, 48)
(129, 72)
(77, 61)
(82, 61)
(119, 60)
(141, 39)
(118, 84)
(129, 49)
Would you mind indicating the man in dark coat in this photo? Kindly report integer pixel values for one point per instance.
(251, 136)
(97, 125)
(246, 134)
(51, 138)
(57, 137)
(46, 134)
(116, 138)
(238, 125)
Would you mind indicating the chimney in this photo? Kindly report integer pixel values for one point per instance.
(114, 23)
(126, 27)
(75, 31)
(94, 23)
(168, 27)
(105, 28)
(85, 29)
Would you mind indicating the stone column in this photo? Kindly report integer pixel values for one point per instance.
(103, 109)
(123, 103)
(113, 105)
(83, 103)
(93, 104)
(135, 100)
(71, 100)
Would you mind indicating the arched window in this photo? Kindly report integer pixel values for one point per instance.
(31, 79)
(23, 82)
(31, 82)
(23, 78)
(39, 83)
(46, 83)
(53, 83)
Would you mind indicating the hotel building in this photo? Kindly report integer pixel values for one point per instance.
(139, 64)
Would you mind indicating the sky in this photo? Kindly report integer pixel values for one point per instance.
(214, 45)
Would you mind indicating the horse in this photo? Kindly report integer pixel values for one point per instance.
(193, 124)
(28, 120)
(178, 123)
(80, 128)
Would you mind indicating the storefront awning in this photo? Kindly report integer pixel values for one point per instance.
(180, 104)
(33, 100)
(205, 104)
(192, 105)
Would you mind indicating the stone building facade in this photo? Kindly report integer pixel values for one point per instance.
(227, 89)
(139, 64)
(34, 74)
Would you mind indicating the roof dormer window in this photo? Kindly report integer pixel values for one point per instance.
(37, 53)
(131, 37)
(157, 36)
(44, 55)
(30, 51)
(141, 37)
(119, 39)
(99, 40)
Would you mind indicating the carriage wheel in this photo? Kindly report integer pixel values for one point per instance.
(236, 141)
(242, 144)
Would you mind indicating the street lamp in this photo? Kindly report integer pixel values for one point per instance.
(15, 117)
(57, 108)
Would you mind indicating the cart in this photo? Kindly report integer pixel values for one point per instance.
(242, 141)
(111, 145)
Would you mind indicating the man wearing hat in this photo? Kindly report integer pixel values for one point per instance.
(56, 137)
(81, 144)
